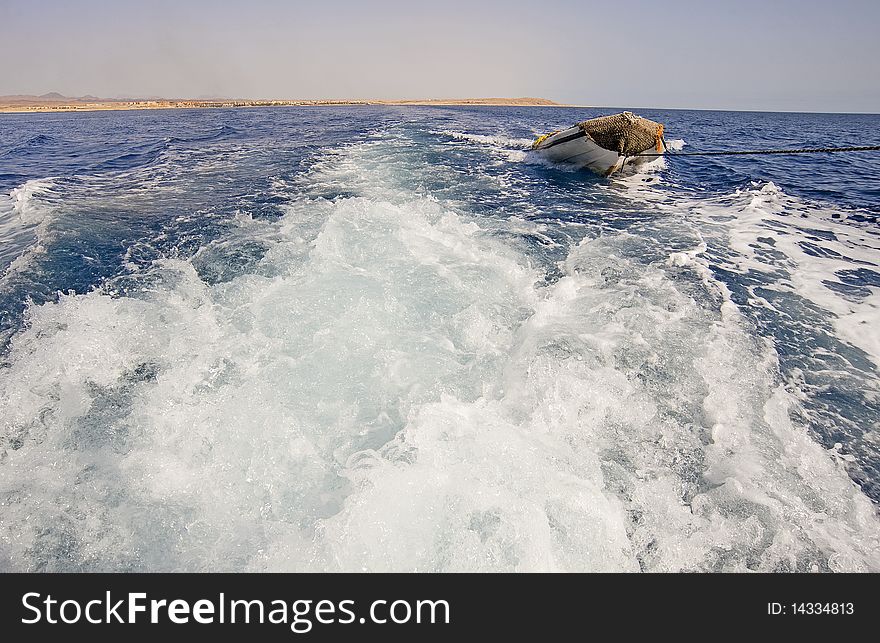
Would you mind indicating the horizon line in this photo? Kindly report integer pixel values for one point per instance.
(37, 107)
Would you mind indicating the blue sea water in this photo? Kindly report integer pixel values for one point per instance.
(381, 338)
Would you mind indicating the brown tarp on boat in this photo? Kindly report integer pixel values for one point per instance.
(625, 133)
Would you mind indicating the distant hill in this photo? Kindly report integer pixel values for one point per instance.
(49, 98)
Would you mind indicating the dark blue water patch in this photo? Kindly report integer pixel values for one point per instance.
(12, 179)
(264, 205)
(816, 234)
(767, 254)
(859, 277)
(865, 217)
(849, 291)
(135, 156)
(854, 285)
(816, 250)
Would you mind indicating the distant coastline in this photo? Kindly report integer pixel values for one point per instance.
(57, 103)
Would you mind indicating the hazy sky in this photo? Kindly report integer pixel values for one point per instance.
(813, 55)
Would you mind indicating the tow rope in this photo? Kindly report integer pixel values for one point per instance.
(805, 150)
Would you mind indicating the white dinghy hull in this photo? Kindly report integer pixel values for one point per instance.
(575, 145)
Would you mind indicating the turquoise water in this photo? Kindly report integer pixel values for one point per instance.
(393, 339)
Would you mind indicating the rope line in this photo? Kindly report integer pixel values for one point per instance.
(806, 150)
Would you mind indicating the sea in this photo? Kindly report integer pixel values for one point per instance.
(375, 338)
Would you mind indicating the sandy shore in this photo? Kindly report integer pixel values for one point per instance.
(16, 105)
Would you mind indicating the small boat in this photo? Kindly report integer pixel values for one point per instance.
(605, 144)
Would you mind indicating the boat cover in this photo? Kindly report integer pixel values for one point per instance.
(625, 133)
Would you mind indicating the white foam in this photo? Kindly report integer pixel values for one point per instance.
(26, 199)
(763, 216)
(496, 141)
(766, 213)
(25, 221)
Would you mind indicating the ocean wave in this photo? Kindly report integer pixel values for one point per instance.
(496, 141)
(27, 145)
(25, 223)
(223, 131)
(29, 199)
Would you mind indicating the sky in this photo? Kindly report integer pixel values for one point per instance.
(786, 55)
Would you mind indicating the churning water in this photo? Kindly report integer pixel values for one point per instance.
(392, 339)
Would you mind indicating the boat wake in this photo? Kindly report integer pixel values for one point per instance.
(386, 378)
(496, 141)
